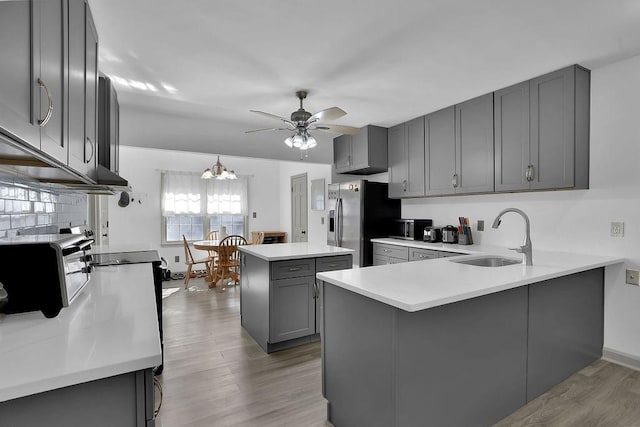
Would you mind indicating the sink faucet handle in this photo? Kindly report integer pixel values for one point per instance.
(519, 249)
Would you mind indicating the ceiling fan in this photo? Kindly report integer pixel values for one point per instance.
(301, 122)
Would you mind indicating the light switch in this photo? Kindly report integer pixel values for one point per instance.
(480, 225)
(322, 220)
(254, 215)
(617, 229)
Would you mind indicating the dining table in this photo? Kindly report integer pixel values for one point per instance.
(210, 246)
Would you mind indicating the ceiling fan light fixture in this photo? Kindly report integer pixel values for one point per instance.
(289, 142)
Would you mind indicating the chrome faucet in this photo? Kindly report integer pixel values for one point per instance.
(525, 249)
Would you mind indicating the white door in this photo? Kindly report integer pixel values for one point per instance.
(299, 208)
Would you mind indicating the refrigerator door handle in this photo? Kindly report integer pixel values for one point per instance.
(337, 221)
(340, 219)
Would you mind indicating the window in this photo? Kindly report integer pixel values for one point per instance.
(192, 207)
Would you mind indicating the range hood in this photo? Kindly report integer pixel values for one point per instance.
(23, 161)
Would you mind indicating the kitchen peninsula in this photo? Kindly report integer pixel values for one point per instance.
(438, 342)
(279, 300)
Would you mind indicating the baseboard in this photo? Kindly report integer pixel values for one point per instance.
(620, 358)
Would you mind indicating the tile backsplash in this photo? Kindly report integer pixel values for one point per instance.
(28, 207)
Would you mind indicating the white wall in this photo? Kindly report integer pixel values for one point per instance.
(140, 223)
(578, 221)
(317, 231)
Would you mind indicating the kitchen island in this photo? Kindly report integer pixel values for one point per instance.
(441, 343)
(90, 365)
(279, 296)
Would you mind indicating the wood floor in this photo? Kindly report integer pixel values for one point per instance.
(216, 375)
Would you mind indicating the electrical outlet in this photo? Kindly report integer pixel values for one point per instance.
(322, 220)
(177, 258)
(617, 229)
(480, 225)
(633, 277)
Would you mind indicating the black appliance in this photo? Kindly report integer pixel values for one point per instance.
(139, 257)
(358, 212)
(43, 272)
(410, 229)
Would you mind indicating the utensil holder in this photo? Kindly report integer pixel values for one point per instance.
(465, 239)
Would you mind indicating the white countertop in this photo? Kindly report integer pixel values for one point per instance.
(418, 285)
(110, 329)
(445, 247)
(284, 251)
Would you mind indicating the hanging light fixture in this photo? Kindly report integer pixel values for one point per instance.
(302, 139)
(218, 171)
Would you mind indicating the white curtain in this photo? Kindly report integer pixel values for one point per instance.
(182, 193)
(227, 196)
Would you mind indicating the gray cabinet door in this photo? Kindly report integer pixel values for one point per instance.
(552, 129)
(511, 126)
(415, 158)
(397, 159)
(18, 114)
(360, 149)
(91, 92)
(342, 153)
(292, 309)
(474, 145)
(50, 48)
(76, 86)
(440, 154)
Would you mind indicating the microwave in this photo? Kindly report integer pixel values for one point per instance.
(44, 272)
(410, 229)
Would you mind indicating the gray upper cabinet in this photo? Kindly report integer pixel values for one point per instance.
(49, 53)
(406, 159)
(17, 112)
(511, 115)
(364, 153)
(48, 90)
(82, 88)
(542, 132)
(440, 154)
(474, 146)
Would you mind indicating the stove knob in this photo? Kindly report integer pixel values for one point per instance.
(87, 269)
(87, 258)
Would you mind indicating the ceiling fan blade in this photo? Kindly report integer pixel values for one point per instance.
(273, 116)
(348, 130)
(332, 113)
(265, 130)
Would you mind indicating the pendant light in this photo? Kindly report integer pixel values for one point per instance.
(218, 171)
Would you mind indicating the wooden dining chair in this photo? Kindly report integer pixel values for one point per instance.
(259, 238)
(229, 259)
(213, 235)
(190, 261)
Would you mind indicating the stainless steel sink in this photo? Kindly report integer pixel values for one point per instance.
(488, 261)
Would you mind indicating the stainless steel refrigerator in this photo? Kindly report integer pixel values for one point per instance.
(358, 212)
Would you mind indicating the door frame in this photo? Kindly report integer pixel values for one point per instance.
(306, 196)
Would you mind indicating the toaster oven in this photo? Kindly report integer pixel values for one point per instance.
(44, 272)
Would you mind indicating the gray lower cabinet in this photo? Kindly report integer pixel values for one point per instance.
(469, 363)
(384, 254)
(279, 303)
(125, 400)
(542, 132)
(406, 159)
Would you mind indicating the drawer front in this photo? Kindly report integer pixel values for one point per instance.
(293, 268)
(330, 263)
(391, 250)
(393, 260)
(380, 260)
(442, 254)
(416, 254)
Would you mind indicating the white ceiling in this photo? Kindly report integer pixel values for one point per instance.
(383, 62)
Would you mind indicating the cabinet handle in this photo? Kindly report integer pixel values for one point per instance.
(404, 185)
(93, 150)
(527, 174)
(532, 174)
(294, 269)
(454, 180)
(333, 265)
(349, 160)
(47, 117)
